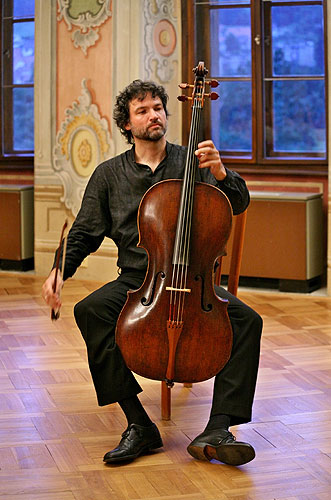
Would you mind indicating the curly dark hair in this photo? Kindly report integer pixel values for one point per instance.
(137, 89)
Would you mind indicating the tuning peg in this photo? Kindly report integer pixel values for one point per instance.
(212, 96)
(212, 83)
(184, 98)
(185, 86)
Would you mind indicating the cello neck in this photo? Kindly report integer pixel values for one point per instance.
(183, 231)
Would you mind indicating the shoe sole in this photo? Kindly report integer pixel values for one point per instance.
(146, 449)
(230, 454)
(235, 454)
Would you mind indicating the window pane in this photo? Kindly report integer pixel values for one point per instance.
(230, 42)
(297, 40)
(23, 50)
(23, 8)
(299, 117)
(23, 122)
(232, 117)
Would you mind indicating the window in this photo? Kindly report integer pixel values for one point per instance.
(17, 79)
(269, 59)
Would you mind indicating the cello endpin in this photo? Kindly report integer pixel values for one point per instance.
(170, 383)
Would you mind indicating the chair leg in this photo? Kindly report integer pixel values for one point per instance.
(165, 401)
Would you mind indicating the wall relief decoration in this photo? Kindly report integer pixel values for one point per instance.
(82, 142)
(160, 39)
(88, 15)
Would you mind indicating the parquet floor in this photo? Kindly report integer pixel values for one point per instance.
(53, 435)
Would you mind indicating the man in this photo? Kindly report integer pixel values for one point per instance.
(109, 209)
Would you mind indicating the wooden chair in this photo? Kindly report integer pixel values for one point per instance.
(239, 225)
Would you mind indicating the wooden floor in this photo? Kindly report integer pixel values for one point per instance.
(53, 435)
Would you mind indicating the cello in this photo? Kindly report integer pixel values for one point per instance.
(174, 328)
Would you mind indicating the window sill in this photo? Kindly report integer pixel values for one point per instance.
(290, 170)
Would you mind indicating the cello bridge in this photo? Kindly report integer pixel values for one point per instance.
(173, 289)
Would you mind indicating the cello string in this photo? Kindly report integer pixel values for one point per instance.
(188, 225)
(189, 209)
(185, 220)
(181, 257)
(177, 281)
(193, 166)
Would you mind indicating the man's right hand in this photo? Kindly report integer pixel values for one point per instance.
(52, 298)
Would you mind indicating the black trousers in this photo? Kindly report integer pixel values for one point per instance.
(234, 387)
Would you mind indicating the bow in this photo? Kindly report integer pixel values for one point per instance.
(63, 242)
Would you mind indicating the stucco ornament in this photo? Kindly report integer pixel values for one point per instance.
(82, 142)
(88, 16)
(160, 39)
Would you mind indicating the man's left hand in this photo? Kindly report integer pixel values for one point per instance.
(209, 157)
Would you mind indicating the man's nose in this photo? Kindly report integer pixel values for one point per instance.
(153, 114)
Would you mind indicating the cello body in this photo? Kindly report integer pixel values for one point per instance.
(205, 342)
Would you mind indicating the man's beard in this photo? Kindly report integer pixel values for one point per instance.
(149, 134)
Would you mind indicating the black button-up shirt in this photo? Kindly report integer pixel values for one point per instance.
(111, 200)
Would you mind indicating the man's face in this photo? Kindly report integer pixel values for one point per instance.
(148, 119)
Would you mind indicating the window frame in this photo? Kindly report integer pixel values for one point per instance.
(13, 160)
(258, 163)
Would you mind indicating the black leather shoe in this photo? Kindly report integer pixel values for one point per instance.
(221, 445)
(135, 441)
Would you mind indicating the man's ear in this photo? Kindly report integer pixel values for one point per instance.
(127, 126)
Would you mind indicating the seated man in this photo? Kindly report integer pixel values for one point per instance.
(109, 209)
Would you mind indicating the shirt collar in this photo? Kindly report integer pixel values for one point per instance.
(168, 150)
